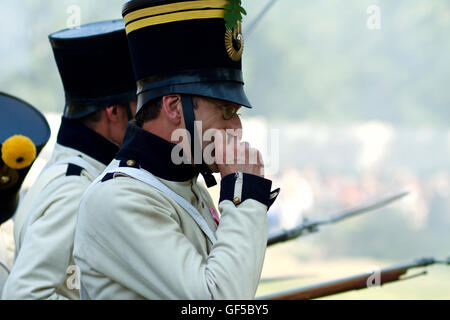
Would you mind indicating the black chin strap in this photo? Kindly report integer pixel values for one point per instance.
(129, 114)
(196, 147)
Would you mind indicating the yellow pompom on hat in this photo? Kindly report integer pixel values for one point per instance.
(18, 152)
(24, 131)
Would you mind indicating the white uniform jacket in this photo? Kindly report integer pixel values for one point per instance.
(6, 251)
(45, 220)
(135, 242)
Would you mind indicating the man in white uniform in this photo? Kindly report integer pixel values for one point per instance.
(96, 72)
(24, 131)
(159, 235)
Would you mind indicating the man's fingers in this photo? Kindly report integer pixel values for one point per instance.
(234, 155)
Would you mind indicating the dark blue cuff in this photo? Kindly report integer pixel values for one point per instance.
(253, 187)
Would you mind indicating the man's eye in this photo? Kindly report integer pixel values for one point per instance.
(230, 111)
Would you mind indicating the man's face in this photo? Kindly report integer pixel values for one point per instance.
(216, 115)
(118, 132)
(133, 106)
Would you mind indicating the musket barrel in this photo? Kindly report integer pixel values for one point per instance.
(278, 237)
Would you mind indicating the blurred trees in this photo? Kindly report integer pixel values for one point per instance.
(317, 60)
(308, 60)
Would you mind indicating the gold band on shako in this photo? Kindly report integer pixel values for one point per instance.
(174, 12)
(184, 47)
(183, 11)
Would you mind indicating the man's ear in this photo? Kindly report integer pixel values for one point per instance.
(172, 108)
(113, 113)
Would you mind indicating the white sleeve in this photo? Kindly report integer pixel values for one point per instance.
(41, 264)
(134, 238)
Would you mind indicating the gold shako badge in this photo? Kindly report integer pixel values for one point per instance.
(234, 42)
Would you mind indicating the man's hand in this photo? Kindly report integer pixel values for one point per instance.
(233, 155)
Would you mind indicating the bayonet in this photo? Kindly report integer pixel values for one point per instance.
(253, 24)
(308, 226)
(283, 278)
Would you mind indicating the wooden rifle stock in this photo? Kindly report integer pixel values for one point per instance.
(361, 281)
(338, 286)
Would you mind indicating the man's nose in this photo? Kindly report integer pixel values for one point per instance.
(235, 125)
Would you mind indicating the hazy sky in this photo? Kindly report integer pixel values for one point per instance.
(323, 60)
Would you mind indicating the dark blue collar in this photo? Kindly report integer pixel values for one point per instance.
(73, 134)
(154, 155)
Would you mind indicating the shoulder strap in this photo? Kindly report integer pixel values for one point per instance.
(154, 182)
(80, 162)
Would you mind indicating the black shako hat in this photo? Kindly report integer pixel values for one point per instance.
(95, 67)
(24, 131)
(183, 47)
